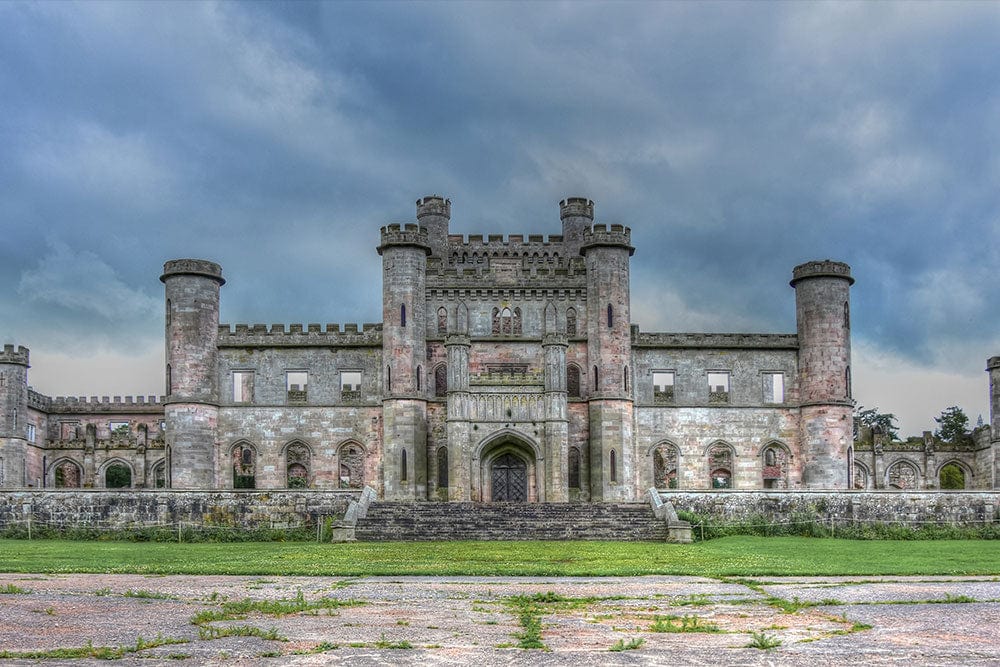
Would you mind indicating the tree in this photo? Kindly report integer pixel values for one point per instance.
(872, 418)
(954, 426)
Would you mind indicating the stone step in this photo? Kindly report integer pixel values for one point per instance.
(431, 521)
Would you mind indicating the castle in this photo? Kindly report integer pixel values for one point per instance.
(504, 369)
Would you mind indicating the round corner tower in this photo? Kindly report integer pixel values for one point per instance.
(607, 249)
(13, 415)
(404, 250)
(993, 368)
(434, 215)
(823, 325)
(577, 215)
(192, 402)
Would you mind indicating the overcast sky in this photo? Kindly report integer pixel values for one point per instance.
(736, 139)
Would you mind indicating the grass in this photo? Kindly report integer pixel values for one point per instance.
(11, 589)
(724, 557)
(686, 623)
(88, 650)
(764, 642)
(630, 645)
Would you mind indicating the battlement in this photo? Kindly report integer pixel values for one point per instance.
(38, 401)
(299, 335)
(992, 362)
(409, 234)
(618, 236)
(576, 207)
(499, 242)
(746, 341)
(17, 356)
(192, 267)
(104, 404)
(821, 268)
(433, 205)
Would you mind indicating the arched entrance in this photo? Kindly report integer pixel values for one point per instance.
(509, 477)
(508, 468)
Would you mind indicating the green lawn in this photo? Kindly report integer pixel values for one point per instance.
(730, 556)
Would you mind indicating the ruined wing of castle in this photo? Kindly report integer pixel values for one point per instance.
(504, 369)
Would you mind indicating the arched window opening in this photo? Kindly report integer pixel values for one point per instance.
(517, 322)
(442, 468)
(244, 466)
(720, 466)
(506, 322)
(442, 320)
(774, 471)
(574, 468)
(860, 476)
(611, 316)
(402, 466)
(159, 476)
(67, 475)
(117, 476)
(665, 459)
(351, 457)
(952, 476)
(571, 322)
(402, 315)
(495, 328)
(573, 381)
(902, 475)
(297, 459)
(441, 380)
(613, 460)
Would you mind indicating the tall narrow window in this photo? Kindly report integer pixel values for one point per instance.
(574, 468)
(571, 322)
(420, 373)
(442, 461)
(573, 381)
(244, 466)
(388, 378)
(297, 459)
(625, 374)
(595, 378)
(614, 466)
(402, 466)
(168, 311)
(517, 321)
(242, 386)
(611, 316)
(402, 315)
(170, 381)
(441, 380)
(442, 320)
(847, 380)
(847, 315)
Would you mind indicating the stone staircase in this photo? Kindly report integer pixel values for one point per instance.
(430, 521)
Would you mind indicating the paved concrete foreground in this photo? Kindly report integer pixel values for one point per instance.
(461, 620)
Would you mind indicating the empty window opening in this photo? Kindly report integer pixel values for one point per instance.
(441, 380)
(613, 461)
(665, 459)
(402, 466)
(774, 471)
(442, 468)
(420, 373)
(573, 381)
(117, 476)
(297, 460)
(663, 387)
(571, 322)
(118, 429)
(902, 475)
(297, 385)
(595, 378)
(718, 387)
(611, 316)
(574, 468)
(352, 466)
(67, 475)
(952, 476)
(243, 386)
(773, 385)
(244, 466)
(350, 385)
(720, 466)
(847, 380)
(442, 326)
(388, 378)
(159, 476)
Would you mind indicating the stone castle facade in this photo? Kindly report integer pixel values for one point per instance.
(504, 369)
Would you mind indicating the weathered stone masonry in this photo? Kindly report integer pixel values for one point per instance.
(504, 369)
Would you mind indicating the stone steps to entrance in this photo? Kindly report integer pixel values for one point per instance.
(433, 521)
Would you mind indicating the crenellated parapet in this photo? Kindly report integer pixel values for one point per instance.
(410, 234)
(742, 341)
(38, 401)
(576, 207)
(105, 404)
(826, 268)
(618, 236)
(300, 335)
(12, 355)
(193, 267)
(433, 205)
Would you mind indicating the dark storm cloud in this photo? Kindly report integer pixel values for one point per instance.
(736, 139)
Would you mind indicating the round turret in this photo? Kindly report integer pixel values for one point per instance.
(577, 215)
(13, 391)
(434, 215)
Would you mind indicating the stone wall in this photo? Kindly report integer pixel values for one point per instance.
(870, 506)
(118, 510)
